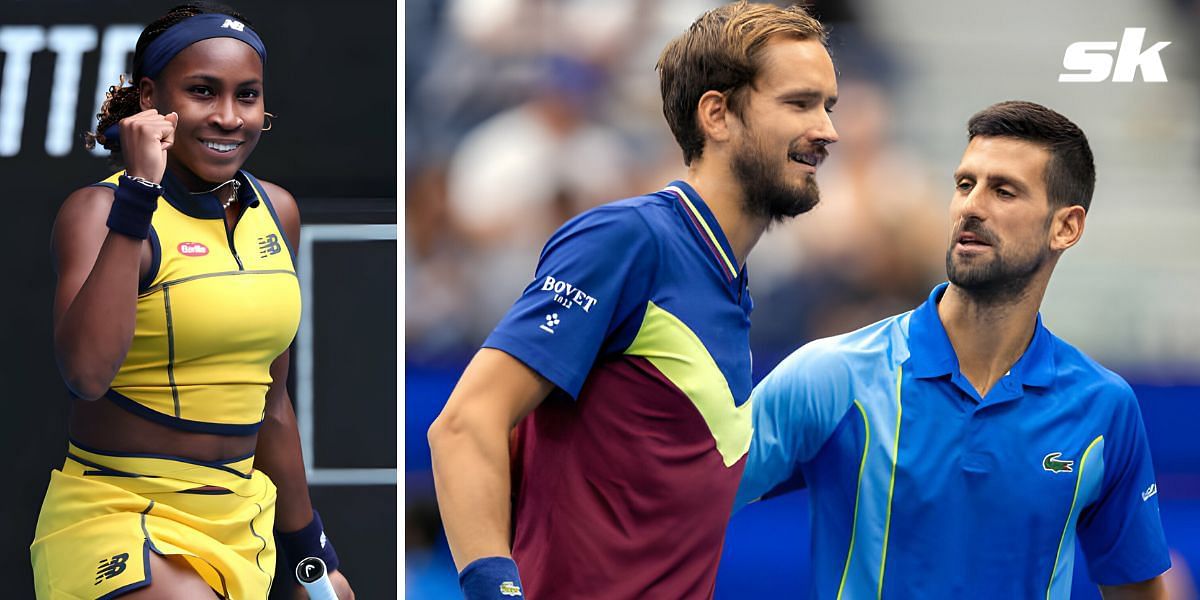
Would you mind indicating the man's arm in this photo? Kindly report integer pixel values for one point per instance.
(1151, 589)
(612, 254)
(795, 409)
(1121, 533)
(469, 443)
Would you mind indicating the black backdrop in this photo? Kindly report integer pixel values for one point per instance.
(331, 79)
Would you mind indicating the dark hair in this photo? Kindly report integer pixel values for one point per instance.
(122, 100)
(721, 51)
(1071, 172)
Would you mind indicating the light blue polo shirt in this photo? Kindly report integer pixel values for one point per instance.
(922, 489)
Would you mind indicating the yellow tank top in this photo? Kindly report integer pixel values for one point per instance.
(213, 313)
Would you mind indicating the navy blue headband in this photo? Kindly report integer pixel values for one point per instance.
(192, 30)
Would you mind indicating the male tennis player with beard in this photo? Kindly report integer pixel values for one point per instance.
(963, 436)
(625, 365)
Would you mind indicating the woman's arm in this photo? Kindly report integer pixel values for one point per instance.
(95, 301)
(278, 453)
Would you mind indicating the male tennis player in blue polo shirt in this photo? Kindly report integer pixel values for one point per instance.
(958, 450)
(623, 371)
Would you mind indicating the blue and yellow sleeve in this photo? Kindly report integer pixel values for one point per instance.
(594, 275)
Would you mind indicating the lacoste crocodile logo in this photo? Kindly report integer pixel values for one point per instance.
(1052, 464)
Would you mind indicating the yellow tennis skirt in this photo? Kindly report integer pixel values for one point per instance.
(105, 512)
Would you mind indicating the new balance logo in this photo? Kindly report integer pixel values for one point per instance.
(111, 567)
(550, 324)
(234, 25)
(1097, 60)
(268, 245)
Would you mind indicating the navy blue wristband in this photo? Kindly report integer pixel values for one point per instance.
(309, 541)
(133, 207)
(490, 578)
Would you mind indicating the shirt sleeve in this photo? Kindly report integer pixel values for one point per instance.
(1121, 533)
(593, 277)
(795, 409)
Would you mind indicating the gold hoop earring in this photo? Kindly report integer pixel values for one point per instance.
(270, 124)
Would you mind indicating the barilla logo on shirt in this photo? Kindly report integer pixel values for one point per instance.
(192, 249)
(567, 294)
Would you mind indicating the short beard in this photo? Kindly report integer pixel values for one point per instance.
(998, 282)
(765, 192)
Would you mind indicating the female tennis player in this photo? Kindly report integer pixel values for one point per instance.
(176, 302)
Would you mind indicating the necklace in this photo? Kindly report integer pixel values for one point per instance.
(237, 185)
(226, 204)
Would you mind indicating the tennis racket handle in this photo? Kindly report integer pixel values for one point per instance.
(311, 574)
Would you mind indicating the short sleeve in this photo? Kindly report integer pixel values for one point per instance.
(1121, 533)
(795, 409)
(594, 275)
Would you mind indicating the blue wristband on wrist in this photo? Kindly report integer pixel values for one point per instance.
(133, 207)
(309, 541)
(494, 577)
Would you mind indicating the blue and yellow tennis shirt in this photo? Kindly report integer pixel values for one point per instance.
(624, 477)
(922, 489)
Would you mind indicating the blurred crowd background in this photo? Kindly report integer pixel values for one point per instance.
(522, 113)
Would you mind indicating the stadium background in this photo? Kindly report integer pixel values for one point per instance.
(520, 113)
(331, 79)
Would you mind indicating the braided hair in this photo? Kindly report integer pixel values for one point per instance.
(122, 100)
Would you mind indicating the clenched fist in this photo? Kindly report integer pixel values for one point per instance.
(145, 139)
